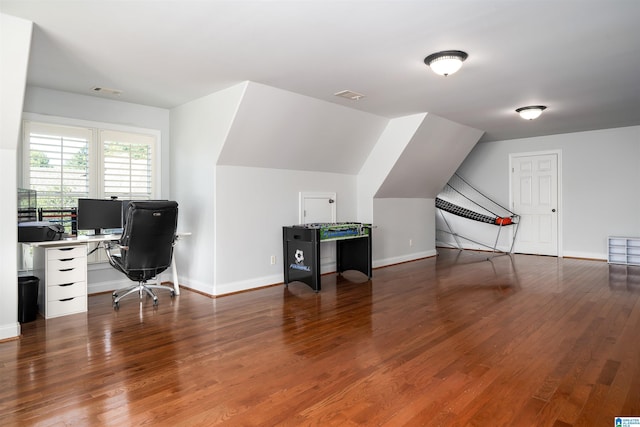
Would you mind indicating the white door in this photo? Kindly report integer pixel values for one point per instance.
(317, 208)
(534, 186)
(320, 208)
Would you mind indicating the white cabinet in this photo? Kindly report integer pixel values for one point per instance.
(623, 250)
(63, 279)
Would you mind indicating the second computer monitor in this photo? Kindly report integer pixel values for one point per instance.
(99, 214)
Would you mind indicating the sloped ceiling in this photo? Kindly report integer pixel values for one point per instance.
(434, 153)
(278, 129)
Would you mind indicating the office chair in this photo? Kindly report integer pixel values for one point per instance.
(146, 247)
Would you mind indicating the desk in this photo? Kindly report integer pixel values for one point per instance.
(61, 267)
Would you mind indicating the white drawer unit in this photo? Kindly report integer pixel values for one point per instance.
(623, 250)
(63, 279)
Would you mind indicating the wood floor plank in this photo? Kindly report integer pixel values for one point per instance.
(453, 340)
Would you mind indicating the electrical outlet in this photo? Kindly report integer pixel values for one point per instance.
(273, 259)
(410, 242)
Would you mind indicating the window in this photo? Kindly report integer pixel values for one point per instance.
(64, 163)
(127, 162)
(58, 164)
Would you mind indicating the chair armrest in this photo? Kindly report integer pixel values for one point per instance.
(111, 246)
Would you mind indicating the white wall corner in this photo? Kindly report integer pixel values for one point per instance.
(15, 44)
(199, 130)
(435, 151)
(391, 143)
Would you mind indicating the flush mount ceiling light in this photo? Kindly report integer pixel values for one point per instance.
(446, 62)
(531, 112)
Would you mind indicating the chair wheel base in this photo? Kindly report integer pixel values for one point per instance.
(142, 289)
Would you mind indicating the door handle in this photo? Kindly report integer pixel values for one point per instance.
(553, 210)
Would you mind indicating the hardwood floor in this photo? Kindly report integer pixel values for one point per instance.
(445, 341)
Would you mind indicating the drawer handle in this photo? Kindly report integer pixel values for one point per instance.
(67, 284)
(67, 299)
(66, 249)
(297, 236)
(67, 259)
(67, 269)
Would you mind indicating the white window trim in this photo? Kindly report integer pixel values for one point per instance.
(65, 121)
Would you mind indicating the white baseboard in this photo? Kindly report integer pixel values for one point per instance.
(199, 286)
(112, 285)
(259, 282)
(11, 330)
(243, 285)
(404, 258)
(120, 283)
(585, 255)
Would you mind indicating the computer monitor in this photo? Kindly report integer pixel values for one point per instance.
(99, 214)
(27, 205)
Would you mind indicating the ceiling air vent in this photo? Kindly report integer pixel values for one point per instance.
(106, 90)
(354, 96)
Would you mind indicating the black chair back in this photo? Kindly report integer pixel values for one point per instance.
(148, 236)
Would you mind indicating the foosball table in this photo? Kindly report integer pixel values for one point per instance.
(301, 245)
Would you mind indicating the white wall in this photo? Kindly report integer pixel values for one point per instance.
(396, 220)
(15, 43)
(412, 159)
(236, 213)
(405, 230)
(381, 160)
(9, 326)
(253, 204)
(435, 151)
(199, 129)
(600, 174)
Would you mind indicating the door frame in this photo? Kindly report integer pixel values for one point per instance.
(304, 195)
(558, 154)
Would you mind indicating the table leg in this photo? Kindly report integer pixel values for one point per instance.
(174, 271)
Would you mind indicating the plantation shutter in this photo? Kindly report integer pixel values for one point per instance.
(127, 162)
(58, 163)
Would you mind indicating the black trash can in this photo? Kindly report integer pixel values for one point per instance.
(27, 298)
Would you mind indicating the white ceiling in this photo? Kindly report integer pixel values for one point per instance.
(580, 58)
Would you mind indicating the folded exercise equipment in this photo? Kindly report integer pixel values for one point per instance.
(460, 198)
